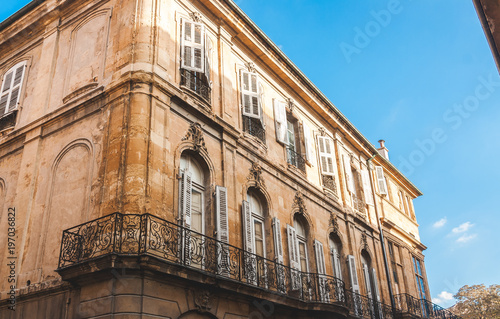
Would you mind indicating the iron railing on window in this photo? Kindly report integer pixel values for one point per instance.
(367, 308)
(196, 82)
(135, 235)
(421, 308)
(7, 120)
(295, 159)
(254, 127)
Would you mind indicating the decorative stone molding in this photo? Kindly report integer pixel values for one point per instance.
(364, 241)
(256, 175)
(290, 103)
(196, 16)
(335, 223)
(322, 131)
(251, 67)
(195, 135)
(203, 300)
(298, 202)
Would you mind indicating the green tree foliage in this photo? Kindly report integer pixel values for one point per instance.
(478, 302)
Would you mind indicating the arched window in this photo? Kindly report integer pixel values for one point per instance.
(193, 190)
(257, 223)
(335, 253)
(370, 277)
(300, 228)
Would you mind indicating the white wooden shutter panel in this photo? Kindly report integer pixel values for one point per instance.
(293, 253)
(250, 100)
(193, 46)
(368, 285)
(325, 147)
(320, 257)
(278, 246)
(11, 88)
(375, 284)
(348, 175)
(337, 269)
(308, 143)
(353, 274)
(280, 121)
(382, 184)
(186, 214)
(208, 49)
(247, 226)
(221, 214)
(367, 188)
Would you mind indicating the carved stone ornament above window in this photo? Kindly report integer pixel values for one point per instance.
(203, 300)
(335, 223)
(364, 241)
(290, 104)
(196, 16)
(298, 202)
(195, 135)
(251, 67)
(256, 175)
(322, 131)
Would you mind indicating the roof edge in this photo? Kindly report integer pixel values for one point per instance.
(19, 13)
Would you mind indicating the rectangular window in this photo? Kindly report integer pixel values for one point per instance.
(294, 147)
(259, 237)
(251, 106)
(195, 62)
(419, 278)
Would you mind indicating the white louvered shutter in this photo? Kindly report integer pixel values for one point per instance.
(308, 143)
(321, 267)
(375, 284)
(278, 245)
(353, 274)
(247, 226)
(208, 50)
(221, 214)
(250, 100)
(367, 188)
(337, 269)
(320, 257)
(368, 285)
(382, 184)
(193, 46)
(186, 192)
(11, 88)
(293, 252)
(325, 147)
(348, 175)
(280, 121)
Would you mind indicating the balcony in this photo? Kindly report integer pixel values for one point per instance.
(411, 307)
(89, 245)
(295, 159)
(196, 82)
(254, 127)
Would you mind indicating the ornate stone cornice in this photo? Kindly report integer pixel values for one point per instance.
(195, 135)
(196, 16)
(335, 223)
(364, 241)
(251, 67)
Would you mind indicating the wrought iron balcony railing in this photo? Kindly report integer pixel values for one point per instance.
(196, 82)
(146, 235)
(421, 308)
(296, 159)
(134, 235)
(254, 127)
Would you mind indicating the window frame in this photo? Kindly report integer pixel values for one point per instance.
(419, 278)
(12, 87)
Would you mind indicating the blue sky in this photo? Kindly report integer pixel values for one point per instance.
(420, 75)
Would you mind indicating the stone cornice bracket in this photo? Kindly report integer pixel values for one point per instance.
(335, 223)
(195, 135)
(196, 16)
(364, 241)
(251, 67)
(298, 202)
(256, 175)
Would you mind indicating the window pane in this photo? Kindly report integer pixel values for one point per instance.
(303, 256)
(259, 238)
(196, 212)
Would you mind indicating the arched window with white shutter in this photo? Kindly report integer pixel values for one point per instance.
(336, 256)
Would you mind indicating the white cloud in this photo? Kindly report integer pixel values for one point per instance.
(440, 223)
(462, 228)
(444, 299)
(466, 238)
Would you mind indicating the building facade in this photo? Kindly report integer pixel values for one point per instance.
(164, 159)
